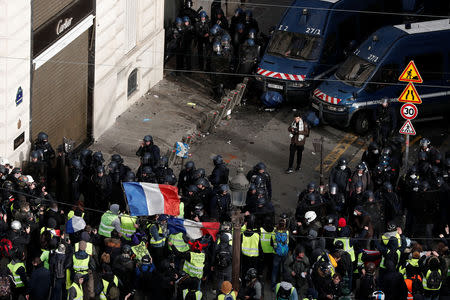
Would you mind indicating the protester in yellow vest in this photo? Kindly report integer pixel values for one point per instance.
(81, 261)
(250, 247)
(75, 291)
(227, 292)
(195, 260)
(90, 249)
(127, 226)
(158, 234)
(18, 271)
(109, 221)
(109, 280)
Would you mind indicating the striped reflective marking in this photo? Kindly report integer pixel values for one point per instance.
(284, 76)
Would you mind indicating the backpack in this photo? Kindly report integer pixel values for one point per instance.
(5, 287)
(5, 247)
(59, 267)
(224, 257)
(228, 297)
(282, 247)
(433, 279)
(283, 294)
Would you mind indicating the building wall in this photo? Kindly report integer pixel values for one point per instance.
(114, 61)
(15, 49)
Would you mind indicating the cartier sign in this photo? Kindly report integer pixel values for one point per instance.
(61, 24)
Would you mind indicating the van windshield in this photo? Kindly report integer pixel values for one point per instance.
(295, 45)
(355, 71)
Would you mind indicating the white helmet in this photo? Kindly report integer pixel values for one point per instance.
(16, 225)
(377, 295)
(4, 161)
(30, 179)
(310, 216)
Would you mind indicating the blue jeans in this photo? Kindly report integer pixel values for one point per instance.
(277, 268)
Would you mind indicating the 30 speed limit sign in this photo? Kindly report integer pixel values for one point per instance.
(409, 111)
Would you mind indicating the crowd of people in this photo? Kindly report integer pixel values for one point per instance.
(368, 233)
(222, 47)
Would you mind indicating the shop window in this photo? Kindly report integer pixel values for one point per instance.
(132, 82)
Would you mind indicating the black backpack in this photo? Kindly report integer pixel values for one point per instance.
(223, 256)
(59, 266)
(433, 279)
(283, 294)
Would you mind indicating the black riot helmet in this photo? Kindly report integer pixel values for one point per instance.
(199, 173)
(76, 164)
(113, 167)
(100, 169)
(164, 161)
(218, 160)
(311, 186)
(36, 154)
(117, 158)
(192, 188)
(202, 181)
(224, 188)
(147, 170)
(98, 157)
(251, 274)
(260, 166)
(373, 146)
(86, 157)
(129, 177)
(342, 162)
(148, 138)
(388, 186)
(190, 165)
(42, 137)
(387, 151)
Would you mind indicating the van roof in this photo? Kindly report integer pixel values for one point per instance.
(298, 4)
(423, 27)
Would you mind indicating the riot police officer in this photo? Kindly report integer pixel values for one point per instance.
(202, 34)
(148, 146)
(187, 37)
(248, 57)
(42, 144)
(386, 122)
(189, 12)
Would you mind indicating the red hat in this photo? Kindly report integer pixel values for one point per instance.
(342, 222)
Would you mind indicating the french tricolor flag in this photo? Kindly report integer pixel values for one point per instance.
(147, 199)
(194, 230)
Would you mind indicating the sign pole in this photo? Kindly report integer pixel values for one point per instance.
(406, 152)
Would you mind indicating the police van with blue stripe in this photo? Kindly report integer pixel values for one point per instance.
(313, 36)
(371, 73)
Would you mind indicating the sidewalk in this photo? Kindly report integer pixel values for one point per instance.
(166, 112)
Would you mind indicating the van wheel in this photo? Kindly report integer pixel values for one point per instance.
(361, 123)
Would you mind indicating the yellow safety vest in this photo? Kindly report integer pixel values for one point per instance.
(161, 241)
(198, 294)
(398, 259)
(413, 262)
(386, 236)
(80, 265)
(13, 268)
(178, 242)
(127, 226)
(265, 241)
(79, 291)
(347, 247)
(194, 266)
(106, 227)
(181, 215)
(88, 247)
(71, 214)
(424, 281)
(250, 245)
(140, 251)
(232, 294)
(105, 287)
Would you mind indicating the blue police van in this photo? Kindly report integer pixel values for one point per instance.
(313, 36)
(370, 74)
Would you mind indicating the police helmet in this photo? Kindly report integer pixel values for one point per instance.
(368, 194)
(76, 164)
(163, 161)
(218, 160)
(113, 166)
(239, 26)
(424, 142)
(248, 13)
(342, 162)
(98, 156)
(388, 186)
(391, 226)
(192, 188)
(325, 268)
(251, 274)
(178, 21)
(226, 39)
(360, 167)
(36, 154)
(189, 165)
(186, 19)
(215, 29)
(203, 14)
(100, 169)
(359, 184)
(251, 42)
(42, 137)
(199, 173)
(339, 245)
(16, 171)
(412, 170)
(117, 158)
(147, 170)
(284, 216)
(129, 177)
(311, 197)
(377, 295)
(260, 166)
(16, 225)
(238, 12)
(310, 216)
(170, 179)
(201, 181)
(387, 151)
(311, 186)
(224, 188)
(188, 3)
(149, 138)
(373, 146)
(252, 187)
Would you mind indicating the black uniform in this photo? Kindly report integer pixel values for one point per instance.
(386, 122)
(184, 61)
(202, 36)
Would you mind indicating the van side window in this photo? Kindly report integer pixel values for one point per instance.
(330, 44)
(430, 65)
(386, 75)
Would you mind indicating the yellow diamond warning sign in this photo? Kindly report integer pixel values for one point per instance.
(411, 74)
(410, 95)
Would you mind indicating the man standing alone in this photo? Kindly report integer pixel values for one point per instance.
(299, 131)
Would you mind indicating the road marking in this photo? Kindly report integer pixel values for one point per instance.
(337, 152)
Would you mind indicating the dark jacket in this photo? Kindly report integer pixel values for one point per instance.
(393, 284)
(39, 284)
(294, 130)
